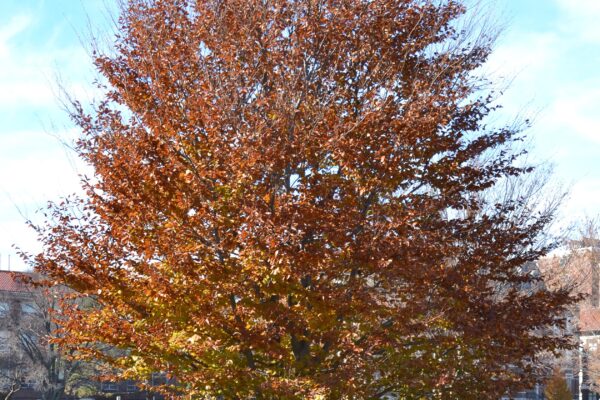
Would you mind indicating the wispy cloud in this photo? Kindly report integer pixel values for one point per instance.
(34, 167)
(27, 73)
(552, 68)
(580, 18)
(576, 111)
(15, 25)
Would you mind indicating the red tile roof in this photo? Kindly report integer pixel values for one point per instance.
(589, 319)
(10, 283)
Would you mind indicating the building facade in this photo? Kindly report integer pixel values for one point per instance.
(31, 367)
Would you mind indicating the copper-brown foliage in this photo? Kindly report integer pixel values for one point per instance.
(279, 206)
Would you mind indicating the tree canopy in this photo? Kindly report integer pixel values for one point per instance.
(286, 203)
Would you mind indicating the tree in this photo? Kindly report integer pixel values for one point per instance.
(556, 387)
(286, 203)
(29, 355)
(20, 328)
(14, 369)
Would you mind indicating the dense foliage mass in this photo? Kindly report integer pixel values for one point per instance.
(287, 204)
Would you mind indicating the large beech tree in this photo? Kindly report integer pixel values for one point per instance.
(287, 203)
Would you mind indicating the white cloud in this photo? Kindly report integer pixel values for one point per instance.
(16, 25)
(28, 73)
(552, 80)
(580, 18)
(575, 110)
(521, 66)
(579, 205)
(27, 78)
(34, 167)
(522, 56)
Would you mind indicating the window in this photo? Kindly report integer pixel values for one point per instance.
(158, 378)
(4, 338)
(109, 387)
(569, 375)
(131, 387)
(27, 384)
(28, 308)
(4, 308)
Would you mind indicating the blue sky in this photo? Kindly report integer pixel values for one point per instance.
(549, 52)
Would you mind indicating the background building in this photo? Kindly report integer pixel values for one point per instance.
(31, 367)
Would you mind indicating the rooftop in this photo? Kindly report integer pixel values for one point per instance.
(589, 319)
(10, 283)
